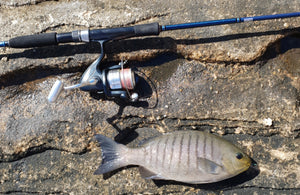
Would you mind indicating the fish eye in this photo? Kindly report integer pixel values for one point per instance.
(239, 156)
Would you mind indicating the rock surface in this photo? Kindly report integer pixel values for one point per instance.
(240, 81)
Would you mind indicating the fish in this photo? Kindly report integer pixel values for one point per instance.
(193, 157)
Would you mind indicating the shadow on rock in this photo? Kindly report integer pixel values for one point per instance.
(148, 98)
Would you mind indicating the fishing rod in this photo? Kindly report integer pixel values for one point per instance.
(115, 81)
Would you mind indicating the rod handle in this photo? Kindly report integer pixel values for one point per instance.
(147, 29)
(124, 32)
(37, 40)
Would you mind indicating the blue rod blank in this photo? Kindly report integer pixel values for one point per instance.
(270, 17)
(227, 21)
(3, 44)
(198, 24)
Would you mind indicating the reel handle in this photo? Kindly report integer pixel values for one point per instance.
(55, 91)
(58, 87)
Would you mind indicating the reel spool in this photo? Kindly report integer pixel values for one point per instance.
(121, 79)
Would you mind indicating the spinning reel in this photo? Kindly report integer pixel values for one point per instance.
(114, 81)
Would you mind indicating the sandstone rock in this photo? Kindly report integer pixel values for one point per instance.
(239, 81)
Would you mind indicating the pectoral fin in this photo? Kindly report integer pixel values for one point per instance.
(146, 174)
(208, 166)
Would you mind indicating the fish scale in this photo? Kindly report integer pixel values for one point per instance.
(186, 156)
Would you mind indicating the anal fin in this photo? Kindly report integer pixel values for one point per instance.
(147, 174)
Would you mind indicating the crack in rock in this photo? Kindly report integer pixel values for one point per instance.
(37, 150)
(220, 126)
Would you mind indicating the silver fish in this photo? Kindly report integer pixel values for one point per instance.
(187, 156)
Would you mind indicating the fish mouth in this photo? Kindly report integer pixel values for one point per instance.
(248, 164)
(244, 168)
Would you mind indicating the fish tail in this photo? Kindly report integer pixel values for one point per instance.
(111, 155)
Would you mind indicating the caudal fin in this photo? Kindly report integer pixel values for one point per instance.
(111, 152)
